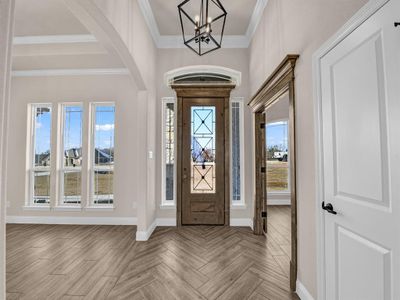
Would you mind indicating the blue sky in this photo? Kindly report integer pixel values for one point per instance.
(203, 132)
(104, 136)
(105, 119)
(42, 138)
(277, 135)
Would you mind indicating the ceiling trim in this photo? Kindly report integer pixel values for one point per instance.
(175, 41)
(69, 72)
(54, 39)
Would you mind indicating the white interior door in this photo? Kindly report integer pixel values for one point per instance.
(360, 86)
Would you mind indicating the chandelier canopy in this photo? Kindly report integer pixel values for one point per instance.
(203, 24)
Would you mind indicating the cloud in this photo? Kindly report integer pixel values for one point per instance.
(105, 127)
(38, 125)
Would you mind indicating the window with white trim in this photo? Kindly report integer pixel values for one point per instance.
(71, 154)
(168, 152)
(40, 140)
(237, 155)
(102, 154)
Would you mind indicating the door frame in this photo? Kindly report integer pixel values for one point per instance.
(280, 82)
(358, 19)
(202, 91)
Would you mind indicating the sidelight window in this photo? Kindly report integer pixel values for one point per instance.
(237, 155)
(168, 151)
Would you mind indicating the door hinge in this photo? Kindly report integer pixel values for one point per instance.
(263, 169)
(262, 125)
(263, 214)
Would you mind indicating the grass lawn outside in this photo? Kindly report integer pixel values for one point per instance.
(72, 184)
(277, 176)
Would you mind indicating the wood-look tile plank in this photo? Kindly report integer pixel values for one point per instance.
(242, 288)
(105, 262)
(102, 288)
(13, 296)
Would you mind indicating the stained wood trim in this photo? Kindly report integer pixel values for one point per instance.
(259, 207)
(203, 91)
(281, 81)
(279, 78)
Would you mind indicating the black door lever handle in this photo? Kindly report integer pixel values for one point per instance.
(396, 24)
(329, 208)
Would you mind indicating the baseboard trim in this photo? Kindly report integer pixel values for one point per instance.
(142, 236)
(302, 292)
(242, 222)
(278, 202)
(71, 220)
(166, 222)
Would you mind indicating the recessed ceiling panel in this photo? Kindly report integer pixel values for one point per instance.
(45, 17)
(167, 18)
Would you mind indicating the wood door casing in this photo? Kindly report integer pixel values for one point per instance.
(185, 92)
(280, 82)
(203, 183)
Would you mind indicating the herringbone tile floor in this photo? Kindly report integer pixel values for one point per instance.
(105, 262)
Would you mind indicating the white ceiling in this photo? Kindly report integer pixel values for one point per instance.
(49, 37)
(238, 19)
(45, 17)
(162, 19)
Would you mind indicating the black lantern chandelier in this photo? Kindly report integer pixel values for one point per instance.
(203, 24)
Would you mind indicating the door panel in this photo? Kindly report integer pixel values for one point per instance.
(203, 165)
(360, 114)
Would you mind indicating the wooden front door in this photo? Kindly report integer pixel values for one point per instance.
(203, 161)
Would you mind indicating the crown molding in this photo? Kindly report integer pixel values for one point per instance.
(54, 39)
(69, 72)
(175, 41)
(255, 18)
(150, 20)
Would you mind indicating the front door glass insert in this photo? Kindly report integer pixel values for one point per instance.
(203, 136)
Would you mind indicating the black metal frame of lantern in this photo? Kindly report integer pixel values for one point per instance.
(203, 27)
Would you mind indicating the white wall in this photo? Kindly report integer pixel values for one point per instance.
(237, 59)
(87, 89)
(6, 21)
(126, 18)
(299, 27)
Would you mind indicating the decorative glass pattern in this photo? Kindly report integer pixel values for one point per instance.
(169, 151)
(203, 129)
(236, 151)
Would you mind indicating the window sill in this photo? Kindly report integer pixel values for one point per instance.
(67, 208)
(283, 193)
(238, 206)
(37, 207)
(100, 208)
(168, 206)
